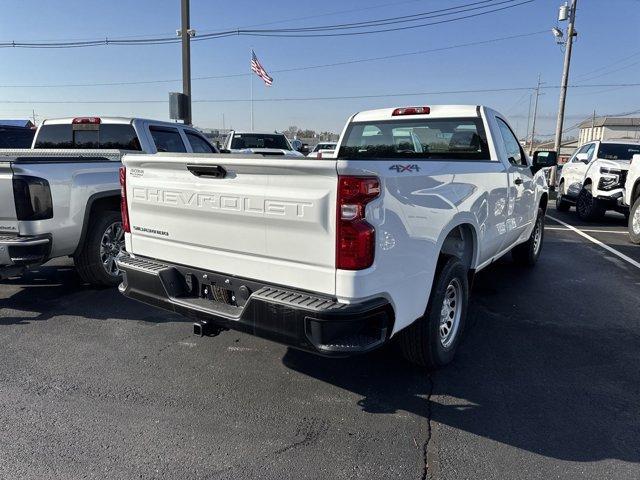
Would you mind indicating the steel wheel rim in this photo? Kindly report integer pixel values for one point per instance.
(635, 222)
(537, 237)
(111, 245)
(450, 313)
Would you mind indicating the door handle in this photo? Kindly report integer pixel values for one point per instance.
(207, 171)
(518, 181)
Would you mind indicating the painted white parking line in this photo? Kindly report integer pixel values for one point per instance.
(588, 231)
(629, 260)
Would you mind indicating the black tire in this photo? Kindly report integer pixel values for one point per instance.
(634, 222)
(527, 253)
(422, 342)
(588, 207)
(561, 204)
(89, 263)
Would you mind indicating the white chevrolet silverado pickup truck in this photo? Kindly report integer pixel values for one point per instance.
(337, 256)
(594, 178)
(62, 197)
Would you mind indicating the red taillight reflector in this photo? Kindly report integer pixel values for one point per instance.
(124, 211)
(411, 111)
(355, 237)
(86, 120)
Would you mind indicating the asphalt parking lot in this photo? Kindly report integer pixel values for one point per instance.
(545, 385)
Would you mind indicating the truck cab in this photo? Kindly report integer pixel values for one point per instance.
(594, 178)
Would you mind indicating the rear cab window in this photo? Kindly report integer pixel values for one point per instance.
(257, 140)
(433, 138)
(101, 136)
(167, 139)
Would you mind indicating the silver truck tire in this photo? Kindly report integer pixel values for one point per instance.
(432, 340)
(634, 222)
(95, 262)
(527, 253)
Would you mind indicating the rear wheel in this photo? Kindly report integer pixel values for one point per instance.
(561, 203)
(104, 241)
(634, 222)
(527, 253)
(588, 207)
(432, 340)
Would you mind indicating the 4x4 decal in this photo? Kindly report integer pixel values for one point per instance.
(405, 168)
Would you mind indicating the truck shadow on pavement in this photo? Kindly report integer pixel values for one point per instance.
(48, 291)
(549, 376)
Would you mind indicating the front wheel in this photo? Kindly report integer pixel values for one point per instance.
(634, 222)
(587, 206)
(96, 261)
(561, 203)
(432, 340)
(527, 253)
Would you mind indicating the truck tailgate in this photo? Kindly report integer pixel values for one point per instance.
(8, 220)
(264, 219)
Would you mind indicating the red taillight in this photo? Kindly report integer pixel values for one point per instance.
(355, 237)
(124, 211)
(411, 111)
(86, 120)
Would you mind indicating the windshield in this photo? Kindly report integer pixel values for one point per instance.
(259, 140)
(462, 138)
(324, 146)
(618, 151)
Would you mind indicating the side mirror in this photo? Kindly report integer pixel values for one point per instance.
(544, 159)
(583, 157)
(224, 150)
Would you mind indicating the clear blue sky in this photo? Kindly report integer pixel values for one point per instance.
(608, 35)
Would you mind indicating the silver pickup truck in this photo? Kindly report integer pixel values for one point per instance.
(62, 197)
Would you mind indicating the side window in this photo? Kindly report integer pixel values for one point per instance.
(167, 139)
(514, 151)
(199, 144)
(590, 151)
(582, 149)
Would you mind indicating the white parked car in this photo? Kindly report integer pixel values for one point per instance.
(322, 149)
(632, 198)
(262, 143)
(337, 256)
(594, 178)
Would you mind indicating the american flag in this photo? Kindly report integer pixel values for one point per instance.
(259, 70)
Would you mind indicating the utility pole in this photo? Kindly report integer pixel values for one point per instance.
(526, 135)
(535, 114)
(185, 33)
(593, 125)
(565, 73)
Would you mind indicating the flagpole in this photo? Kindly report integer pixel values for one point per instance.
(251, 90)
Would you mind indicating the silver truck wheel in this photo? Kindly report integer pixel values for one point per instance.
(431, 341)
(95, 261)
(634, 222)
(111, 245)
(450, 313)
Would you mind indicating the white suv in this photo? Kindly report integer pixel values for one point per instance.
(593, 179)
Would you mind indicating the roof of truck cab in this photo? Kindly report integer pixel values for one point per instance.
(436, 111)
(238, 132)
(113, 120)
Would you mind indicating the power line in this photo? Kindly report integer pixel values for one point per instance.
(287, 70)
(296, 99)
(317, 31)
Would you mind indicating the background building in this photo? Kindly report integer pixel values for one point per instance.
(606, 128)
